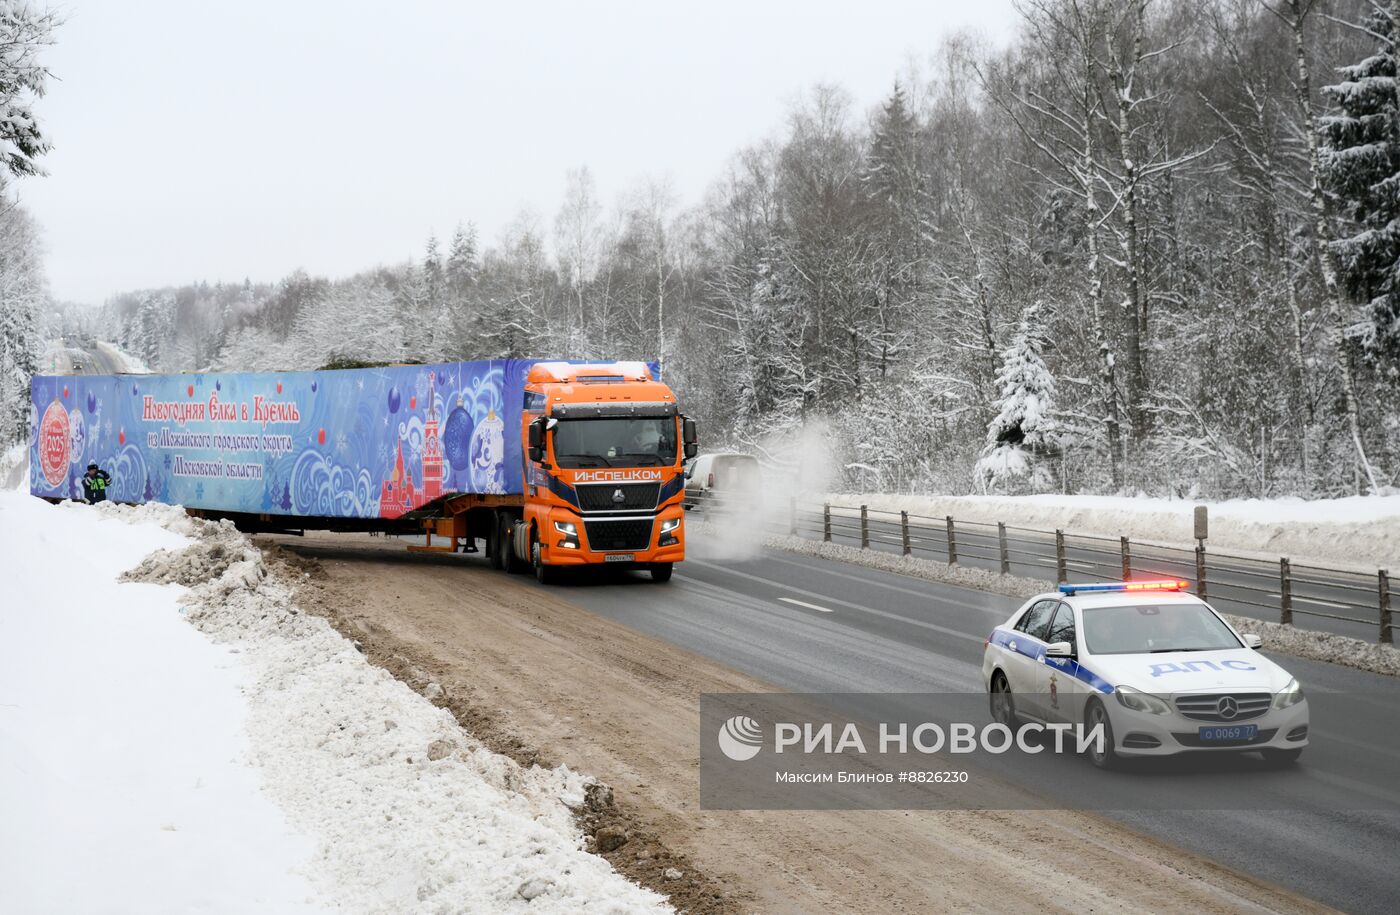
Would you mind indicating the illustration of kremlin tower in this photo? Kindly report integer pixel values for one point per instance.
(398, 495)
(432, 447)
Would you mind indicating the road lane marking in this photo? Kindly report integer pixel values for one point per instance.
(780, 586)
(803, 603)
(924, 594)
(1320, 603)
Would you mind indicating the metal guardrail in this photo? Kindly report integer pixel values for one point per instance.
(1356, 597)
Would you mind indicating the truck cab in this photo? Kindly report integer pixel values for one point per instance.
(604, 477)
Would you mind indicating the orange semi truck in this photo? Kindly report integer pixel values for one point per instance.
(552, 464)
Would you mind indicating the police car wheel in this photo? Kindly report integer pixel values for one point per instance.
(1281, 757)
(1002, 702)
(1095, 715)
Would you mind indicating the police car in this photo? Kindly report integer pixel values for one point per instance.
(1157, 667)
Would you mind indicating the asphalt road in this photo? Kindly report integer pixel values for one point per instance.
(811, 625)
(1242, 586)
(81, 357)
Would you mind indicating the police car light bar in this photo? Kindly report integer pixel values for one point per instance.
(1172, 585)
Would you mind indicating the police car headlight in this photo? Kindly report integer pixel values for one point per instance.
(670, 525)
(1141, 702)
(566, 527)
(1291, 694)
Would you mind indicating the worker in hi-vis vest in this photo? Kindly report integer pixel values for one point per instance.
(95, 484)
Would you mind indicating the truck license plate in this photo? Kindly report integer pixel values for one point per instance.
(1229, 733)
(620, 557)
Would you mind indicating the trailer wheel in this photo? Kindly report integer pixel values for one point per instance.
(660, 571)
(493, 543)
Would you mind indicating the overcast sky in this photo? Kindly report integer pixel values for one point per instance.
(229, 140)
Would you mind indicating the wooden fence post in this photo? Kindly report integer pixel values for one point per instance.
(1127, 558)
(952, 542)
(1061, 565)
(1285, 592)
(864, 528)
(1002, 548)
(904, 530)
(826, 522)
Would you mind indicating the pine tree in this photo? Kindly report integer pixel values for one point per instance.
(894, 187)
(1361, 166)
(462, 266)
(1024, 435)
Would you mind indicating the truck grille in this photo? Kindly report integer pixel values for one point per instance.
(623, 534)
(602, 497)
(1218, 706)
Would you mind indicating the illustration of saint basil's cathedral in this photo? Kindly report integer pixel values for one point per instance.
(397, 494)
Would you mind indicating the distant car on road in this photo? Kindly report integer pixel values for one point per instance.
(722, 479)
(1157, 667)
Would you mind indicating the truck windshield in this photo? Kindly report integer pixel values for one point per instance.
(623, 442)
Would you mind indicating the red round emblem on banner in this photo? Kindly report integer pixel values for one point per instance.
(53, 444)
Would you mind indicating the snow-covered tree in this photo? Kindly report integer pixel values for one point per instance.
(1023, 437)
(25, 29)
(1361, 164)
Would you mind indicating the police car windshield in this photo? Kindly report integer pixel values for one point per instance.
(616, 442)
(1153, 628)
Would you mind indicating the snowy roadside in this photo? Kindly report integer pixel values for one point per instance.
(1303, 643)
(14, 468)
(1360, 532)
(380, 801)
(120, 733)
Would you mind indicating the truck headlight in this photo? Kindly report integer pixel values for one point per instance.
(566, 527)
(1139, 701)
(1291, 694)
(670, 525)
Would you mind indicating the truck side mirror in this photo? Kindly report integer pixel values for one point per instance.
(535, 439)
(690, 438)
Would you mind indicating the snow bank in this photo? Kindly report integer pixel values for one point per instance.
(408, 812)
(1360, 532)
(14, 468)
(121, 736)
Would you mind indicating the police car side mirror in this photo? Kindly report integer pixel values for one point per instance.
(1059, 650)
(1253, 641)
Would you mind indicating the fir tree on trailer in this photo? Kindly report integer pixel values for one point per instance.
(1023, 438)
(1361, 166)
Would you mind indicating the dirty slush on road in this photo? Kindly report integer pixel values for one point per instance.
(614, 831)
(545, 682)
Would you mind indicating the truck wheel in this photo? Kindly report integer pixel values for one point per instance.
(512, 563)
(544, 574)
(660, 571)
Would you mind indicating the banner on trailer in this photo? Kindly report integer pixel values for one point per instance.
(355, 443)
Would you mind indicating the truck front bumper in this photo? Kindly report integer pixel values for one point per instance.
(641, 542)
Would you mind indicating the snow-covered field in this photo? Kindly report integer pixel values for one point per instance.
(199, 745)
(1360, 531)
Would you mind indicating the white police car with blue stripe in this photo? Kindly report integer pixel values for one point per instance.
(1158, 668)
